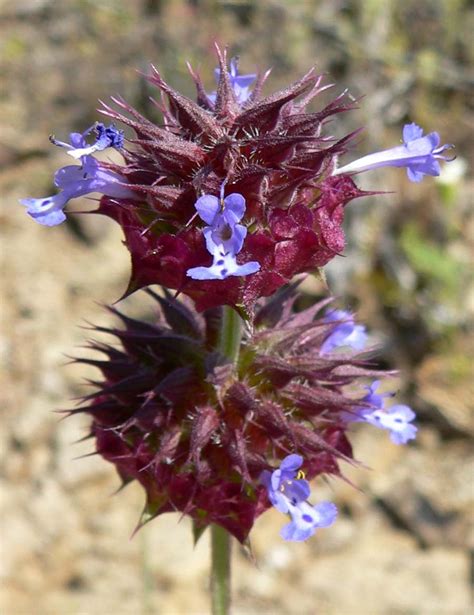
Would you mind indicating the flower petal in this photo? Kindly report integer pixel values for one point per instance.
(235, 203)
(411, 132)
(326, 512)
(207, 207)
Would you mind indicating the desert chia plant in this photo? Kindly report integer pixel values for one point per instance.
(232, 400)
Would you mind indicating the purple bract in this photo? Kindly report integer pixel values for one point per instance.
(240, 83)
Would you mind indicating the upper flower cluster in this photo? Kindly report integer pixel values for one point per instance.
(269, 153)
(285, 196)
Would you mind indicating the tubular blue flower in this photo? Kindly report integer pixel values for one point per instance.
(75, 181)
(419, 154)
(396, 419)
(240, 83)
(224, 236)
(289, 494)
(106, 136)
(348, 333)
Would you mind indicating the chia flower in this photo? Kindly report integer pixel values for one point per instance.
(288, 493)
(396, 419)
(346, 333)
(419, 154)
(224, 236)
(106, 136)
(269, 150)
(240, 83)
(75, 181)
(197, 431)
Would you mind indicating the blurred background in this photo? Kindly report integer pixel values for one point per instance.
(401, 544)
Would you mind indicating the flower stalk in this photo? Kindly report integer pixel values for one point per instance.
(220, 570)
(229, 345)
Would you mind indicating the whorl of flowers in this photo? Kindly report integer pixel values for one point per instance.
(224, 201)
(271, 150)
(197, 431)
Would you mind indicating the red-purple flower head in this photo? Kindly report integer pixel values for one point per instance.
(264, 161)
(259, 169)
(198, 431)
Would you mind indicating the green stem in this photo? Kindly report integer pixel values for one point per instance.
(230, 334)
(220, 580)
(229, 345)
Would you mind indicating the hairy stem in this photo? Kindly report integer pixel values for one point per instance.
(230, 334)
(220, 579)
(229, 345)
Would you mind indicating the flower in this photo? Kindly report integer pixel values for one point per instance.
(419, 154)
(224, 237)
(223, 266)
(75, 181)
(397, 419)
(271, 151)
(240, 83)
(288, 494)
(197, 432)
(222, 216)
(347, 333)
(107, 136)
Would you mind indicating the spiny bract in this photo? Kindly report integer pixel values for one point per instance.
(197, 431)
(270, 150)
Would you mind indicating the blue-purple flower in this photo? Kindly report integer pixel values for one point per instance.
(224, 236)
(347, 333)
(106, 136)
(240, 83)
(396, 419)
(419, 154)
(75, 181)
(288, 493)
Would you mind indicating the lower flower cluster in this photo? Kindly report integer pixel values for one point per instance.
(203, 435)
